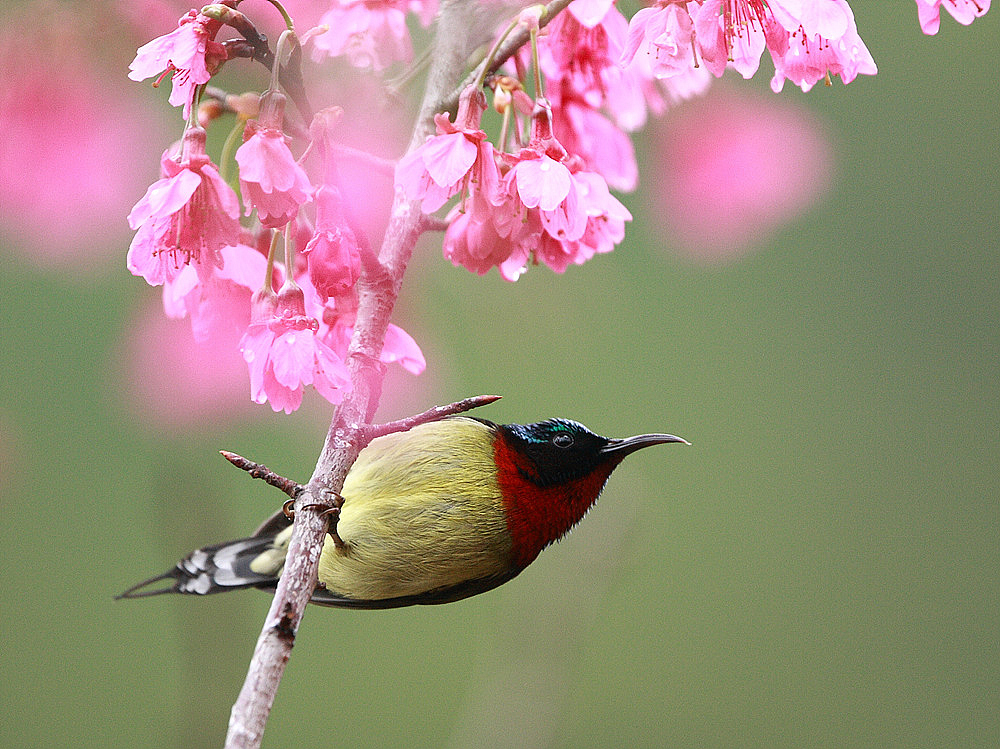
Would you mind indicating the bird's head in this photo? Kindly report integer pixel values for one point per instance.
(552, 472)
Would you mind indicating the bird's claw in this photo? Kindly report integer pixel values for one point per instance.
(333, 511)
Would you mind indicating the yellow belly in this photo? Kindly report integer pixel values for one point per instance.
(422, 510)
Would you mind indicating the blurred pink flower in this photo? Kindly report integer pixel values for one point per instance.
(963, 11)
(732, 169)
(370, 33)
(64, 123)
(368, 125)
(173, 381)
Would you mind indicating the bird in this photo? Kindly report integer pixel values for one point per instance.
(439, 513)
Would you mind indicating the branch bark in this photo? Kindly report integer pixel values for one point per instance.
(350, 428)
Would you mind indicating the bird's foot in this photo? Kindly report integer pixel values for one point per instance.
(331, 511)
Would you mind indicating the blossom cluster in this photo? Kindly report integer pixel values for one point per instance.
(808, 41)
(538, 193)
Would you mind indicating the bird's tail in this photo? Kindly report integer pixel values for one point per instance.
(247, 563)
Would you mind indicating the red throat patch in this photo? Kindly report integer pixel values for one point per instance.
(539, 515)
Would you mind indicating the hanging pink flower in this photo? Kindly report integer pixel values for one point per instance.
(189, 54)
(460, 159)
(186, 217)
(963, 11)
(217, 301)
(537, 180)
(478, 246)
(664, 36)
(332, 251)
(810, 58)
(270, 179)
(730, 36)
(284, 354)
(548, 209)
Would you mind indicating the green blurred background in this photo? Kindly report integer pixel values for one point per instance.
(820, 568)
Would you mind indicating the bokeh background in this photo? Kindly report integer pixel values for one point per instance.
(820, 568)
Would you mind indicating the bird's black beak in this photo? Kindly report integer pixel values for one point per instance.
(621, 448)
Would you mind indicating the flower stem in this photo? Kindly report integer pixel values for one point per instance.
(488, 61)
(271, 252)
(289, 24)
(279, 53)
(226, 158)
(289, 252)
(538, 68)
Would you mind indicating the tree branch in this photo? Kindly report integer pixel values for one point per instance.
(431, 414)
(261, 471)
(348, 432)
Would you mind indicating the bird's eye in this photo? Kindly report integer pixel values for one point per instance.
(562, 440)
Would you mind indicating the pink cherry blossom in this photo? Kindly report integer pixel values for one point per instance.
(598, 225)
(186, 217)
(460, 159)
(217, 301)
(370, 33)
(270, 179)
(963, 11)
(606, 216)
(400, 348)
(538, 180)
(284, 354)
(189, 53)
(475, 245)
(664, 36)
(810, 59)
(731, 34)
(332, 251)
(548, 209)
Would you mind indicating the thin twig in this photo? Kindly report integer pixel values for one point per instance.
(431, 414)
(261, 471)
(433, 223)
